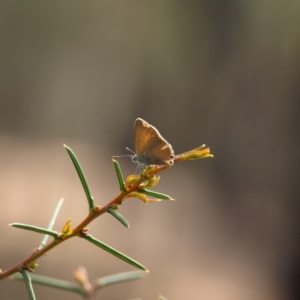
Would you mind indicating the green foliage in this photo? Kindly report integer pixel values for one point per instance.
(134, 186)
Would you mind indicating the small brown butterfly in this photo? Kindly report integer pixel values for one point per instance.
(150, 147)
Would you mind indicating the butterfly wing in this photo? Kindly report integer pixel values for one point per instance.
(150, 147)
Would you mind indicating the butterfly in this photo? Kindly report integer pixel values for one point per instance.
(150, 147)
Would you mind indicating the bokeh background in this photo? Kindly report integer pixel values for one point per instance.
(223, 73)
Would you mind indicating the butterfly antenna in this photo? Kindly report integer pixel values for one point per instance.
(116, 156)
(130, 150)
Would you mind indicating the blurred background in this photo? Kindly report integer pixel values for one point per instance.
(223, 73)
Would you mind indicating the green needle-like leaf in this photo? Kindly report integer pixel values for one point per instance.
(52, 233)
(114, 252)
(53, 282)
(155, 194)
(119, 175)
(118, 217)
(117, 278)
(81, 176)
(29, 287)
(51, 223)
